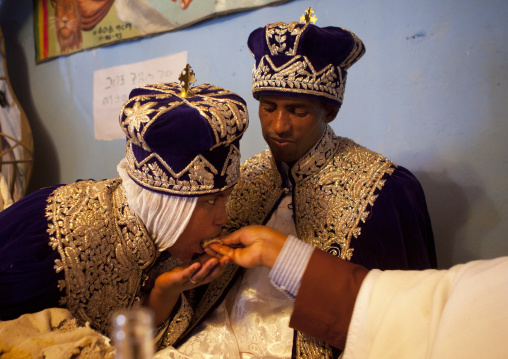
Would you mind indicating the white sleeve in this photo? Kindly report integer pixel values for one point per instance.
(457, 313)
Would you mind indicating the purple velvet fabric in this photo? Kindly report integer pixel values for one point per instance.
(398, 232)
(28, 282)
(165, 133)
(321, 45)
(303, 51)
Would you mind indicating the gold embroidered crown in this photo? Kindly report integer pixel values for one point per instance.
(181, 140)
(302, 59)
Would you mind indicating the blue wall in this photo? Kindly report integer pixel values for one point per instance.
(431, 94)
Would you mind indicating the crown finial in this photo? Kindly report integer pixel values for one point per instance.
(308, 16)
(187, 79)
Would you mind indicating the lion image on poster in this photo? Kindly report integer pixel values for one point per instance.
(74, 16)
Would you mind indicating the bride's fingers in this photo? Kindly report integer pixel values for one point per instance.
(205, 269)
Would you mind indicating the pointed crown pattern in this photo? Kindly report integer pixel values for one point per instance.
(303, 60)
(183, 145)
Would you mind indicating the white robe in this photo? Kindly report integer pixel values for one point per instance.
(456, 313)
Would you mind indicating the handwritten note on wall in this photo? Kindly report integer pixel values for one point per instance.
(111, 88)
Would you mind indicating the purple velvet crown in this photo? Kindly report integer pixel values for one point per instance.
(294, 59)
(183, 146)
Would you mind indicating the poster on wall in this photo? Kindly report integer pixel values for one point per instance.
(111, 88)
(63, 27)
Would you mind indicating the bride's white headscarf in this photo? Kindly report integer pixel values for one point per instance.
(165, 216)
(181, 142)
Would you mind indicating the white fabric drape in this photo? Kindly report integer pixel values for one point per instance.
(165, 216)
(252, 322)
(52, 333)
(432, 314)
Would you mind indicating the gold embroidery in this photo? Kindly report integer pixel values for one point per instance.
(178, 324)
(335, 183)
(232, 166)
(355, 54)
(199, 171)
(339, 193)
(186, 316)
(104, 249)
(277, 37)
(298, 75)
(308, 347)
(227, 118)
(136, 116)
(256, 192)
(108, 257)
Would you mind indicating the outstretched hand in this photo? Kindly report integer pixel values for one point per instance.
(202, 271)
(169, 285)
(262, 246)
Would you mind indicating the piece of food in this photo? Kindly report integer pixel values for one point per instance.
(206, 242)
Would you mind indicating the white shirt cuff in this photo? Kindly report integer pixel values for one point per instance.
(286, 275)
